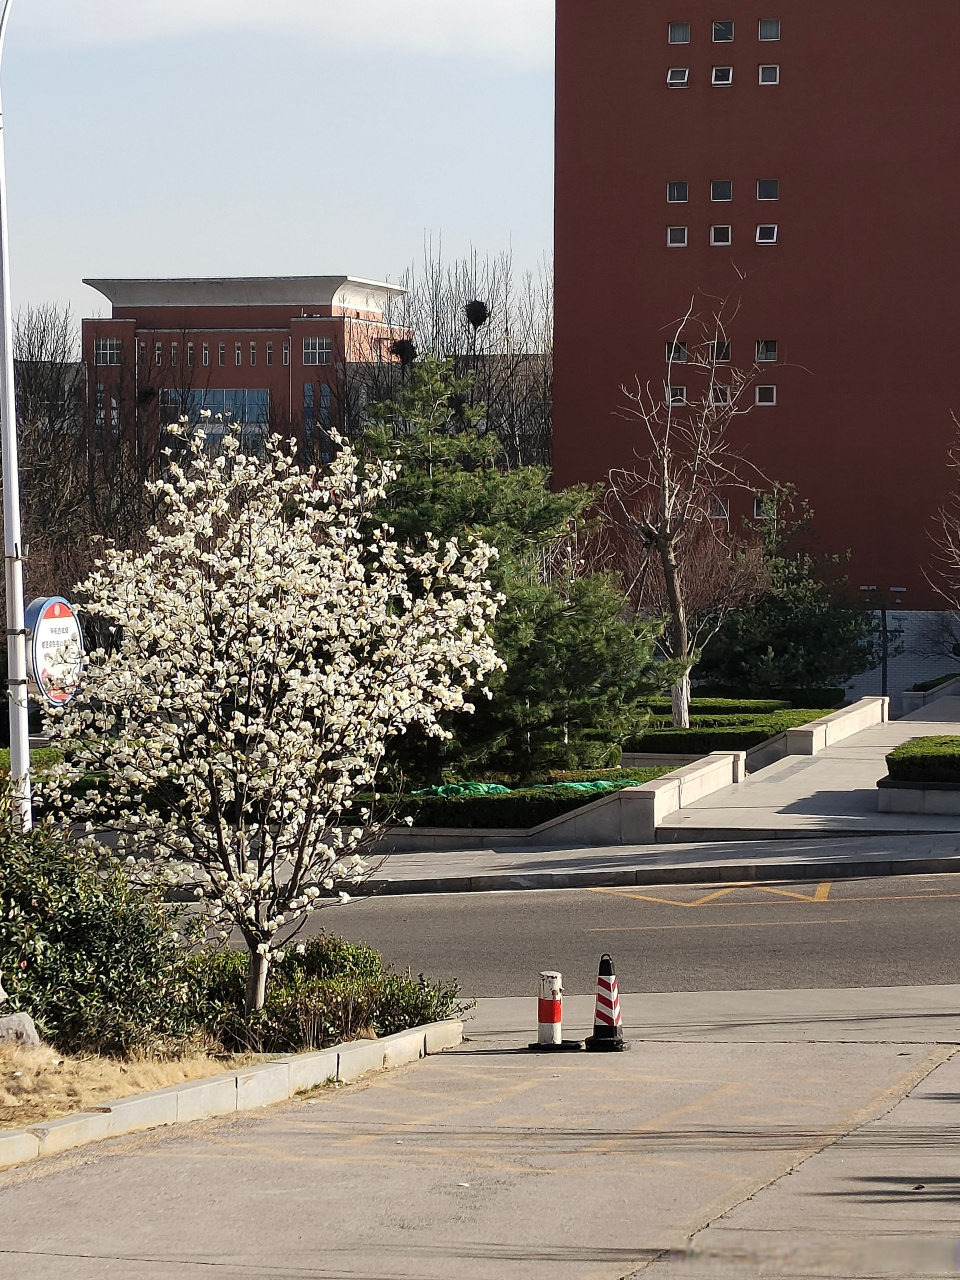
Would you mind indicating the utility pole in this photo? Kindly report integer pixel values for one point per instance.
(12, 536)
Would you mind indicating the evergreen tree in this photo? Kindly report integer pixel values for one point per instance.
(801, 633)
(578, 663)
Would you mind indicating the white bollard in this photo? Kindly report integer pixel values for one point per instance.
(550, 1017)
(550, 1009)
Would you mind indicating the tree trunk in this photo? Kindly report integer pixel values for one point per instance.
(256, 981)
(679, 635)
(680, 698)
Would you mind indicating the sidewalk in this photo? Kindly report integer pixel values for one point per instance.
(822, 857)
(745, 1121)
(803, 816)
(834, 792)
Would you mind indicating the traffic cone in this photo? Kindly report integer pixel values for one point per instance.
(607, 1023)
(550, 1017)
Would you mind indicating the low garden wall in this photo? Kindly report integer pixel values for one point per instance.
(924, 777)
(914, 699)
(629, 816)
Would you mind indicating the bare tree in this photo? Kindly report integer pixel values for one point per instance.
(670, 511)
(489, 324)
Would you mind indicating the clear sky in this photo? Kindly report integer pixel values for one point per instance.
(261, 137)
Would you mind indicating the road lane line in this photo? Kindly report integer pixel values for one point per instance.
(745, 924)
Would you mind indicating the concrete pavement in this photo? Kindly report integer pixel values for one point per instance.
(489, 1162)
(796, 856)
(835, 791)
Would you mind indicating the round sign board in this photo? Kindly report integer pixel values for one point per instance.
(54, 649)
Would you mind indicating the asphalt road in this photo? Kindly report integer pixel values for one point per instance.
(851, 933)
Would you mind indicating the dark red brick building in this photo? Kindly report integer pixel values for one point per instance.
(280, 352)
(801, 160)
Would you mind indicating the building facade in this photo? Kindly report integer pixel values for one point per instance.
(281, 353)
(794, 164)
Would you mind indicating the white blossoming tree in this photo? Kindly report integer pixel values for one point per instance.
(266, 646)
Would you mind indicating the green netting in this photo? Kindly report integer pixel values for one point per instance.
(465, 789)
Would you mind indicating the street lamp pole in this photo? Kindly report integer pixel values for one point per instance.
(12, 536)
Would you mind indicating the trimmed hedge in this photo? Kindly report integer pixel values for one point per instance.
(522, 808)
(701, 741)
(926, 685)
(799, 699)
(724, 706)
(933, 759)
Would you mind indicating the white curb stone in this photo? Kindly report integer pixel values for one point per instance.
(358, 1058)
(307, 1070)
(260, 1085)
(72, 1131)
(17, 1147)
(225, 1094)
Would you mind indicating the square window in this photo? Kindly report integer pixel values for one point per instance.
(676, 396)
(722, 76)
(722, 190)
(722, 32)
(719, 395)
(768, 189)
(679, 33)
(677, 237)
(318, 351)
(678, 77)
(678, 192)
(769, 28)
(719, 508)
(721, 235)
(764, 506)
(676, 353)
(718, 352)
(766, 395)
(767, 234)
(767, 350)
(770, 75)
(107, 350)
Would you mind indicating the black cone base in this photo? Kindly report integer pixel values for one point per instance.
(565, 1046)
(606, 1043)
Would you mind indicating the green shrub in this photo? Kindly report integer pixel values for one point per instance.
(331, 991)
(927, 685)
(701, 741)
(724, 706)
(94, 961)
(41, 758)
(523, 808)
(799, 699)
(933, 759)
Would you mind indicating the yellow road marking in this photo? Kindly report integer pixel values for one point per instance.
(822, 894)
(738, 924)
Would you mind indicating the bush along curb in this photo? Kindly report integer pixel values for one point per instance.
(246, 1089)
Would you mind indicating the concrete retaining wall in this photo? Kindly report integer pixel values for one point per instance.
(819, 734)
(247, 1089)
(918, 797)
(911, 701)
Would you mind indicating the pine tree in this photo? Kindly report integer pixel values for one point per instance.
(578, 663)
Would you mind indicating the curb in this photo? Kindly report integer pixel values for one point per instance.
(827, 870)
(246, 1089)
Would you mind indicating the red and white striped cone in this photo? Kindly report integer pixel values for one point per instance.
(607, 1023)
(550, 1017)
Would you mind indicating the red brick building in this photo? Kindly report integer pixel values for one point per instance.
(275, 352)
(800, 159)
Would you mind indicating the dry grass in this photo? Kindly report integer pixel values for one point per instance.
(41, 1084)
